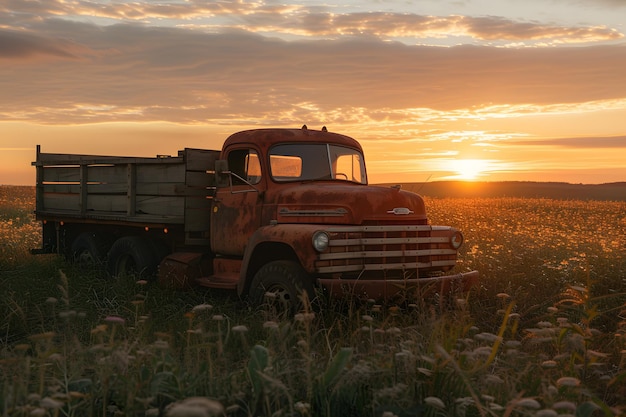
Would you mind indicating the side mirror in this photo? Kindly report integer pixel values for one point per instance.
(222, 174)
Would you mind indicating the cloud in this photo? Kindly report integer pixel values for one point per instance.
(19, 45)
(580, 142)
(129, 72)
(299, 20)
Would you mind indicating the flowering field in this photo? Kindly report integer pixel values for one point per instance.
(543, 335)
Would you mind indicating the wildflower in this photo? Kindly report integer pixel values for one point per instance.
(201, 307)
(487, 337)
(302, 407)
(67, 314)
(434, 402)
(239, 329)
(528, 403)
(565, 405)
(42, 336)
(493, 379)
(394, 331)
(270, 325)
(50, 403)
(567, 381)
(196, 407)
(114, 320)
(301, 317)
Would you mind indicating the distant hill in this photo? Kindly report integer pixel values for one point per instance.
(615, 191)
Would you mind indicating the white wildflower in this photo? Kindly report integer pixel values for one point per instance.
(239, 329)
(196, 407)
(434, 402)
(567, 381)
(201, 307)
(528, 403)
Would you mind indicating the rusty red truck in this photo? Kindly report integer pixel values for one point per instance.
(274, 213)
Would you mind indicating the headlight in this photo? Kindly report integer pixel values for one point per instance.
(320, 241)
(456, 240)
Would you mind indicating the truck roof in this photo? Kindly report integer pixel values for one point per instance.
(265, 138)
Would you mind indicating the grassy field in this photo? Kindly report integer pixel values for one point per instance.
(543, 335)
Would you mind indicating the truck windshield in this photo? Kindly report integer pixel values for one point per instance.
(316, 161)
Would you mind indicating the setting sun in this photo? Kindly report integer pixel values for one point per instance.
(470, 169)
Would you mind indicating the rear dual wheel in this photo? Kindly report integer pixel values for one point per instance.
(134, 255)
(89, 250)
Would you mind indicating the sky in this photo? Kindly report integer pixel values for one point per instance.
(488, 90)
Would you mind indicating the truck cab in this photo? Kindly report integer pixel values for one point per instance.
(293, 211)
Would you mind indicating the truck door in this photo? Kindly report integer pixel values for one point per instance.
(237, 206)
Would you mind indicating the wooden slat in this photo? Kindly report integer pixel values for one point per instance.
(59, 201)
(76, 159)
(160, 173)
(61, 174)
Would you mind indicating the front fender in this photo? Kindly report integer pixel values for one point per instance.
(296, 237)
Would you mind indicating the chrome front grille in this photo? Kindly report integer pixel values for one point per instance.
(387, 247)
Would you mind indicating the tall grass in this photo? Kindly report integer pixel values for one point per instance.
(543, 335)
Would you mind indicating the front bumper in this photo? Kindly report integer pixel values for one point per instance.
(389, 289)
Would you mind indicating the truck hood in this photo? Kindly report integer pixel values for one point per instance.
(337, 203)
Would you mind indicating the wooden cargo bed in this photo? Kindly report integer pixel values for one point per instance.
(161, 190)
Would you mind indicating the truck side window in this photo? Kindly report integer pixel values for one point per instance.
(245, 164)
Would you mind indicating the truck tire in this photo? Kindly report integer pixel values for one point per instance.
(132, 255)
(89, 250)
(280, 285)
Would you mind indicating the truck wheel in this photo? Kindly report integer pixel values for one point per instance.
(280, 285)
(89, 250)
(132, 255)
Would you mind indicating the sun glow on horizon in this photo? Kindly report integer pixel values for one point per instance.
(469, 169)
